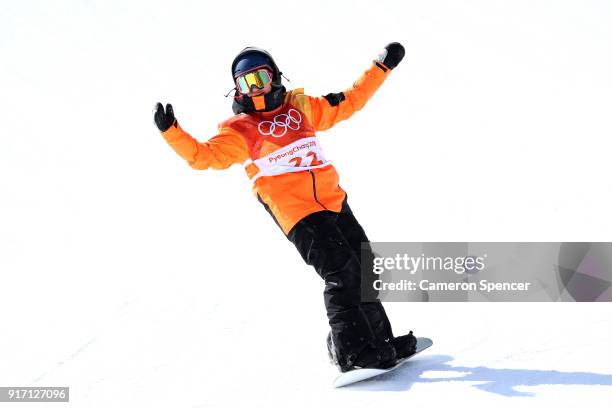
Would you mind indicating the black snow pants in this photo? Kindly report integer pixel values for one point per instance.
(331, 243)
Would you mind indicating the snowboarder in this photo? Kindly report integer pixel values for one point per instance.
(272, 134)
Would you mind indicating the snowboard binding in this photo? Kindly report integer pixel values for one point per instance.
(405, 345)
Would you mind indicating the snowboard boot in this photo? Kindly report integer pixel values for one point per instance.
(405, 346)
(379, 355)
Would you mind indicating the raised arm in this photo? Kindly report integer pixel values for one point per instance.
(326, 111)
(219, 152)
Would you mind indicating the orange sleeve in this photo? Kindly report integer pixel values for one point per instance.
(323, 115)
(219, 152)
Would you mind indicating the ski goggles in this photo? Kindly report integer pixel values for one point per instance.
(254, 81)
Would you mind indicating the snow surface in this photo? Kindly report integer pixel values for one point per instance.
(137, 281)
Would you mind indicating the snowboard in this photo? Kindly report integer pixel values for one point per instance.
(360, 374)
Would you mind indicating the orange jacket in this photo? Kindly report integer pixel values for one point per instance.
(280, 151)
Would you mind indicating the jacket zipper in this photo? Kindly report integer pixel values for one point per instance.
(314, 190)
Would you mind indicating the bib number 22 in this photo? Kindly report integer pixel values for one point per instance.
(297, 161)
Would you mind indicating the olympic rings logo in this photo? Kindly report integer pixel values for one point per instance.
(279, 125)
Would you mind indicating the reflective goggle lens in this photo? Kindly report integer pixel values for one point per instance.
(254, 79)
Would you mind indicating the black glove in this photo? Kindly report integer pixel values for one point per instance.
(164, 120)
(392, 55)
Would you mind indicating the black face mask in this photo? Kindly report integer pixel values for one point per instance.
(272, 99)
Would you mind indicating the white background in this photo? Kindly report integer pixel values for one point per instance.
(138, 281)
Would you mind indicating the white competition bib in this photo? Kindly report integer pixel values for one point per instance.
(303, 154)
